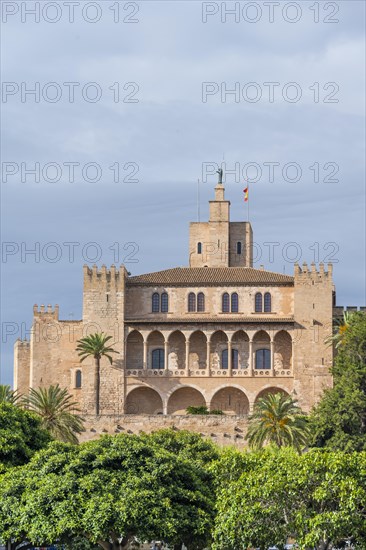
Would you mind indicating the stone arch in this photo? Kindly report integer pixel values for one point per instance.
(143, 400)
(231, 400)
(261, 337)
(282, 350)
(219, 342)
(240, 341)
(155, 340)
(197, 350)
(134, 350)
(261, 341)
(271, 389)
(184, 397)
(177, 350)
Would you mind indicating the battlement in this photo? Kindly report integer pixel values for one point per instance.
(49, 313)
(113, 277)
(22, 343)
(310, 273)
(338, 311)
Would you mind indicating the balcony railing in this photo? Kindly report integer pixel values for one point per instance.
(216, 373)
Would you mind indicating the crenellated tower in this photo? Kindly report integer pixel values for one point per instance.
(313, 308)
(103, 311)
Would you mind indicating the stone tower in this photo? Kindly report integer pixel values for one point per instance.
(220, 242)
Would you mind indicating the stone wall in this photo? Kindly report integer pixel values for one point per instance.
(222, 430)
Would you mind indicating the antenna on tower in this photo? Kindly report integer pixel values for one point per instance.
(198, 200)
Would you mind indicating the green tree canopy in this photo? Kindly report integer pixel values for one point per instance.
(117, 486)
(339, 420)
(21, 435)
(318, 498)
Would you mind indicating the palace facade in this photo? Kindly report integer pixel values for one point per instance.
(217, 333)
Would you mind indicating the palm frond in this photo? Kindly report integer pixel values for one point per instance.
(58, 412)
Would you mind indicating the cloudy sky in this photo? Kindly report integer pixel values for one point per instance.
(133, 102)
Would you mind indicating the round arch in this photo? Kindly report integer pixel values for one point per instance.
(197, 350)
(230, 400)
(143, 400)
(282, 350)
(177, 350)
(261, 336)
(134, 350)
(270, 390)
(184, 397)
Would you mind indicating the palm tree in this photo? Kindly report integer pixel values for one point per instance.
(340, 328)
(7, 395)
(279, 420)
(96, 346)
(57, 411)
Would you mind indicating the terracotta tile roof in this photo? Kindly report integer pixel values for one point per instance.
(196, 276)
(235, 319)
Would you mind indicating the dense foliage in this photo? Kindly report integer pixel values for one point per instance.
(339, 421)
(115, 487)
(265, 497)
(21, 435)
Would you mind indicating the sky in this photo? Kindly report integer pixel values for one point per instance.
(112, 111)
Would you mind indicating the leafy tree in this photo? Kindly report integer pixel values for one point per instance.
(277, 419)
(116, 487)
(318, 498)
(57, 411)
(185, 444)
(339, 420)
(96, 346)
(7, 395)
(21, 435)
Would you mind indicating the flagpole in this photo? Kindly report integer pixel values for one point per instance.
(248, 201)
(198, 201)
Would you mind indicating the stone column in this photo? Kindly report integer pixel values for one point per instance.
(187, 356)
(144, 360)
(208, 353)
(272, 357)
(166, 355)
(229, 359)
(251, 358)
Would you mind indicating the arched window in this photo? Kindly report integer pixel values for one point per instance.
(191, 301)
(267, 302)
(238, 247)
(234, 359)
(78, 379)
(234, 302)
(225, 302)
(199, 248)
(155, 302)
(262, 359)
(258, 302)
(200, 301)
(157, 359)
(164, 303)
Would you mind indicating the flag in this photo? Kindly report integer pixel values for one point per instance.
(246, 193)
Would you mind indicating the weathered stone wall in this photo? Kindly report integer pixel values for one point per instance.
(21, 366)
(313, 308)
(222, 430)
(103, 311)
(139, 299)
